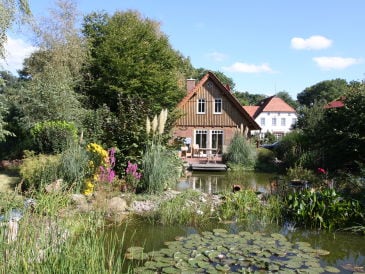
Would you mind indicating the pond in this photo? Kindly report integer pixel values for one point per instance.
(347, 251)
(214, 182)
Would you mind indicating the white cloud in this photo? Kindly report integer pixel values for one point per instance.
(15, 52)
(328, 63)
(315, 42)
(248, 68)
(217, 56)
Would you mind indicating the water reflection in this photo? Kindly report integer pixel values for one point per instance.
(214, 182)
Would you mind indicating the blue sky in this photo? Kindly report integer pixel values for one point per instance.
(265, 46)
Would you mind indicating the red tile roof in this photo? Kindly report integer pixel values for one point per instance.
(270, 104)
(336, 103)
(251, 110)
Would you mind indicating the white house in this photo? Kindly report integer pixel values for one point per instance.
(273, 115)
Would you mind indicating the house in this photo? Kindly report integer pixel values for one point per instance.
(273, 115)
(210, 116)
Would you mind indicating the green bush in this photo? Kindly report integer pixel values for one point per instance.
(241, 153)
(53, 136)
(39, 170)
(265, 160)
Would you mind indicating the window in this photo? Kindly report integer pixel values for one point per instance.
(283, 122)
(294, 121)
(262, 121)
(274, 121)
(217, 140)
(201, 138)
(218, 105)
(201, 106)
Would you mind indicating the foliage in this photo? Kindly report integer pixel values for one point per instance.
(240, 152)
(248, 99)
(290, 149)
(265, 160)
(327, 91)
(3, 111)
(242, 206)
(220, 251)
(71, 246)
(323, 209)
(53, 136)
(132, 176)
(39, 170)
(10, 10)
(334, 137)
(73, 166)
(187, 208)
(161, 169)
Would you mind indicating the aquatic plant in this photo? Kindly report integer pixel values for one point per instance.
(220, 251)
(322, 209)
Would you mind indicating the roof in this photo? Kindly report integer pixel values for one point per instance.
(270, 104)
(251, 110)
(251, 122)
(336, 103)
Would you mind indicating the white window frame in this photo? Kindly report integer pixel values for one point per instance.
(283, 122)
(201, 102)
(216, 102)
(273, 122)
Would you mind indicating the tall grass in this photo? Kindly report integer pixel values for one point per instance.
(161, 169)
(241, 154)
(47, 243)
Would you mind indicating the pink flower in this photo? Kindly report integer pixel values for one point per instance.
(321, 170)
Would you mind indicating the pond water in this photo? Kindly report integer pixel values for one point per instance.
(214, 182)
(347, 251)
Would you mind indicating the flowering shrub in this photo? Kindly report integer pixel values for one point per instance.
(132, 176)
(100, 166)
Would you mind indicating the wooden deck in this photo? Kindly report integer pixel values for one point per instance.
(205, 164)
(208, 167)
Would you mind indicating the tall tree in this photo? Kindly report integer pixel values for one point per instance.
(131, 57)
(9, 11)
(249, 99)
(328, 90)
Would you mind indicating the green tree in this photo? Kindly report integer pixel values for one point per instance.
(328, 90)
(10, 10)
(133, 72)
(248, 99)
(49, 94)
(131, 57)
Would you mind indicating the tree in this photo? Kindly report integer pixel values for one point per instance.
(246, 98)
(9, 11)
(132, 71)
(131, 57)
(52, 76)
(328, 90)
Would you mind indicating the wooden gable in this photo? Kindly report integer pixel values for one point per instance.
(210, 89)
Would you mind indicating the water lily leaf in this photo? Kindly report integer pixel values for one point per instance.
(223, 268)
(135, 249)
(332, 269)
(170, 269)
(322, 252)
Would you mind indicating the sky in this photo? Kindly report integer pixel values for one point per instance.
(265, 46)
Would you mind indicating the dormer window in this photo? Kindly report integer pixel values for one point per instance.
(217, 105)
(201, 106)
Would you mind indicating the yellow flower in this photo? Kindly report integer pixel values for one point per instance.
(89, 187)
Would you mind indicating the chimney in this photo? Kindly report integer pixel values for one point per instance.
(190, 84)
